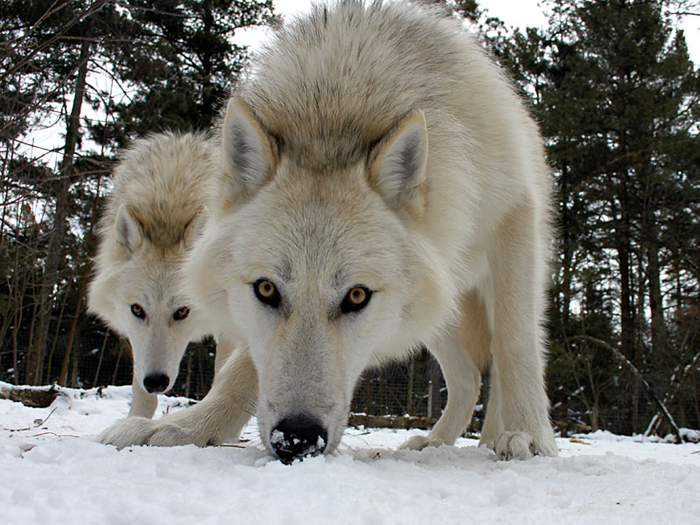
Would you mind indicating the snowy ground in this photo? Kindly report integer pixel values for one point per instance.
(52, 472)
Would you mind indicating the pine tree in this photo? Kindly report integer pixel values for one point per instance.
(180, 62)
(167, 64)
(617, 96)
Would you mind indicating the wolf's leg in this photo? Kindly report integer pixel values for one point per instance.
(460, 354)
(493, 423)
(224, 349)
(515, 300)
(143, 404)
(463, 382)
(220, 416)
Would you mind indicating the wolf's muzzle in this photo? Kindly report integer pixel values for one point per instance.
(297, 437)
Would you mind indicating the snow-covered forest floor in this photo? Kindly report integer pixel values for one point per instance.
(53, 472)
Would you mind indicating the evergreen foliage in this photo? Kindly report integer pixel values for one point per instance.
(611, 83)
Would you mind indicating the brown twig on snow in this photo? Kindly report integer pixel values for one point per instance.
(36, 425)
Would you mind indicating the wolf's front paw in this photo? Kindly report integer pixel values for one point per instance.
(421, 442)
(172, 435)
(134, 431)
(523, 445)
(128, 432)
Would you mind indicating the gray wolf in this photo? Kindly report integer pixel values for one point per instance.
(151, 217)
(382, 187)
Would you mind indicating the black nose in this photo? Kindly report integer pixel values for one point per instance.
(156, 383)
(298, 436)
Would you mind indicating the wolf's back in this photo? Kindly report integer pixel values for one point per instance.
(164, 180)
(332, 84)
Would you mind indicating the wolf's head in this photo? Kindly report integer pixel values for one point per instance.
(140, 296)
(315, 269)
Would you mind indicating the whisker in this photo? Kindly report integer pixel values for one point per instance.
(213, 294)
(211, 298)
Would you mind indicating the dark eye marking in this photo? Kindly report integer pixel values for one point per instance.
(356, 299)
(267, 293)
(138, 311)
(181, 313)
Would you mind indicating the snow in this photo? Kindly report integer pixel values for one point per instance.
(54, 472)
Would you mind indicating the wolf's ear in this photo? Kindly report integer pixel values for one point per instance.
(397, 165)
(194, 228)
(249, 155)
(128, 230)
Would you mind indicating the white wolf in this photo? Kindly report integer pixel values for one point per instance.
(383, 187)
(160, 190)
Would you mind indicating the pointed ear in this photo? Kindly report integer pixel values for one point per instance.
(128, 230)
(397, 165)
(194, 228)
(249, 153)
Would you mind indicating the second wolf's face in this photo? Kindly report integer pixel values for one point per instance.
(316, 272)
(140, 296)
(157, 319)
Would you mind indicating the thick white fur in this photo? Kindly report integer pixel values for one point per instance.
(331, 186)
(157, 205)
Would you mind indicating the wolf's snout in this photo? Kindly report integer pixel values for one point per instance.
(297, 437)
(156, 383)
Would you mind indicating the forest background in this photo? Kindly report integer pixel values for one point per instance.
(610, 82)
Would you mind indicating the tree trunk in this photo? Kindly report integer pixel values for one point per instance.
(658, 324)
(81, 292)
(55, 256)
(567, 248)
(409, 386)
(99, 362)
(627, 324)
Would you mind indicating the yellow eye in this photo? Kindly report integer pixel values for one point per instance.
(266, 289)
(181, 313)
(267, 292)
(356, 299)
(138, 311)
(357, 296)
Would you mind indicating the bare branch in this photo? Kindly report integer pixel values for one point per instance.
(628, 364)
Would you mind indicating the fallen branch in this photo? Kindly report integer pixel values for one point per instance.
(627, 363)
(54, 434)
(671, 395)
(31, 397)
